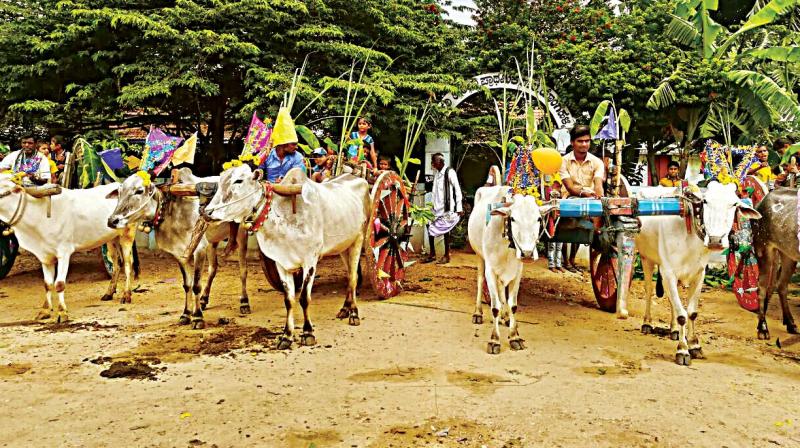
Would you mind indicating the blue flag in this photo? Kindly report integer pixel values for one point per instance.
(609, 131)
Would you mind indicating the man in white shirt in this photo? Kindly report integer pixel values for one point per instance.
(27, 160)
(447, 207)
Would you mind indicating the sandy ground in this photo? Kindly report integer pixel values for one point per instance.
(415, 373)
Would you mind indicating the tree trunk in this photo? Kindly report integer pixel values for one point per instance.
(651, 164)
(217, 133)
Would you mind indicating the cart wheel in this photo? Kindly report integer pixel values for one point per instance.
(388, 232)
(743, 267)
(759, 189)
(603, 270)
(9, 248)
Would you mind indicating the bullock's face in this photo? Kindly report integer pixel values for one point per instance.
(135, 202)
(525, 218)
(720, 204)
(237, 196)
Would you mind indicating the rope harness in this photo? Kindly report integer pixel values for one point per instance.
(20, 209)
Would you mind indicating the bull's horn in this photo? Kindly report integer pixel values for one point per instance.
(287, 190)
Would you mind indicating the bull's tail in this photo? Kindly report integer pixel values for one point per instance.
(659, 284)
(135, 262)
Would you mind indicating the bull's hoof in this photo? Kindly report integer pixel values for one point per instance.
(184, 320)
(198, 324)
(244, 309)
(493, 348)
(674, 335)
(792, 329)
(354, 320)
(62, 317)
(517, 344)
(763, 335)
(647, 329)
(284, 342)
(477, 319)
(125, 299)
(203, 303)
(308, 339)
(107, 297)
(343, 313)
(507, 322)
(622, 314)
(683, 359)
(697, 353)
(43, 315)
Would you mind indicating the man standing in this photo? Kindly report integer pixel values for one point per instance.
(447, 207)
(672, 179)
(284, 155)
(582, 177)
(27, 160)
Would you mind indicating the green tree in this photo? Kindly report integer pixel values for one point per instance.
(206, 65)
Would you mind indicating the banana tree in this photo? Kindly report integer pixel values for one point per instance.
(752, 100)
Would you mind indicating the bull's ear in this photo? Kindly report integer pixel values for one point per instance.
(258, 175)
(748, 212)
(113, 195)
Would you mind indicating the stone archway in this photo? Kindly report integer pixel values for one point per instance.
(562, 117)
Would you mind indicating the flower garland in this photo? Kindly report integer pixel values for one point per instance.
(524, 178)
(715, 162)
(15, 177)
(145, 177)
(241, 160)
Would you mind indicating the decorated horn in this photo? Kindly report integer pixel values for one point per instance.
(287, 190)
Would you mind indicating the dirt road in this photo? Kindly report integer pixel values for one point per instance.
(415, 373)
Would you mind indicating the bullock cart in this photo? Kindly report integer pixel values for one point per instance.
(608, 226)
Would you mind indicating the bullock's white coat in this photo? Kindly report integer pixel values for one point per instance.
(500, 265)
(682, 257)
(327, 219)
(77, 222)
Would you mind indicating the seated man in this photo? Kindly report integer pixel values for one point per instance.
(27, 160)
(284, 155)
(322, 165)
(761, 168)
(582, 176)
(672, 179)
(581, 173)
(780, 146)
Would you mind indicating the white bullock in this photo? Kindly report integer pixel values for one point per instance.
(311, 221)
(174, 218)
(77, 222)
(510, 233)
(682, 257)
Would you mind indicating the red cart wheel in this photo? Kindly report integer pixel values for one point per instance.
(388, 232)
(603, 270)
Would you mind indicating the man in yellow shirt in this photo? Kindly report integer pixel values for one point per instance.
(761, 168)
(582, 173)
(672, 179)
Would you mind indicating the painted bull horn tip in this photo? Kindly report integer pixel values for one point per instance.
(287, 190)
